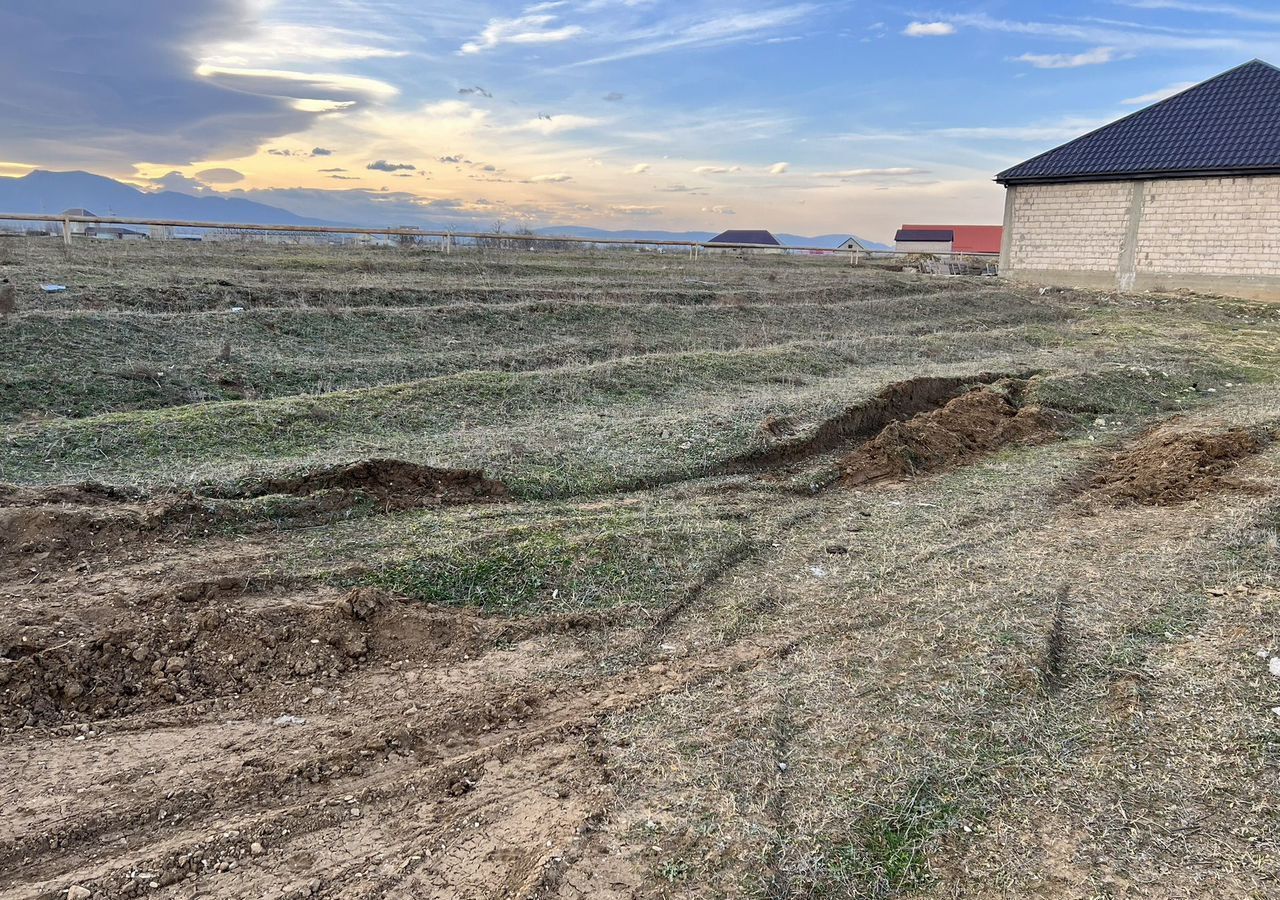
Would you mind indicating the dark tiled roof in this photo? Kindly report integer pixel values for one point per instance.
(1228, 124)
(745, 237)
(916, 234)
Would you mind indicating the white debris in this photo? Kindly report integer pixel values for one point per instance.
(1273, 666)
(53, 288)
(285, 721)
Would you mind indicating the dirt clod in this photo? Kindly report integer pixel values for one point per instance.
(1175, 463)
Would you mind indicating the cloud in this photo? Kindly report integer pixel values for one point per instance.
(929, 29)
(527, 29)
(685, 33)
(639, 168)
(545, 124)
(894, 172)
(1157, 96)
(176, 181)
(1094, 57)
(633, 210)
(1211, 9)
(382, 165)
(716, 170)
(288, 43)
(321, 151)
(220, 176)
(476, 90)
(1126, 36)
(719, 210)
(779, 168)
(330, 86)
(678, 189)
(1062, 130)
(613, 97)
(554, 178)
(143, 99)
(335, 169)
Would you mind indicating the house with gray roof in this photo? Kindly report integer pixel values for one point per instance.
(1181, 194)
(756, 238)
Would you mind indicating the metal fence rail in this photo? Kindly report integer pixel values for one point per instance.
(451, 238)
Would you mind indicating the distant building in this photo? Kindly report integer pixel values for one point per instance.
(112, 233)
(78, 227)
(967, 238)
(746, 237)
(1181, 194)
(924, 240)
(948, 239)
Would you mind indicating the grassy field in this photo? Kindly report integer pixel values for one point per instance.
(573, 573)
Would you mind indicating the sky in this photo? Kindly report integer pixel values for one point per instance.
(852, 116)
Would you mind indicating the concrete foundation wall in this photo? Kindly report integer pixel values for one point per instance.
(1217, 235)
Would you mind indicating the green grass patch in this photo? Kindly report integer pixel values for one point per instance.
(553, 560)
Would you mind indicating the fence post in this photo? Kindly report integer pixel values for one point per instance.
(66, 231)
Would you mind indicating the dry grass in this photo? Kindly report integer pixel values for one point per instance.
(984, 681)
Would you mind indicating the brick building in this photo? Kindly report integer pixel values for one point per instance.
(1182, 194)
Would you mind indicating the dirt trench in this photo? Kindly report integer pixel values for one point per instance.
(396, 483)
(62, 521)
(895, 403)
(970, 425)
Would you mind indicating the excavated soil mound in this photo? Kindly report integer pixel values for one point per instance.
(897, 401)
(974, 423)
(1173, 464)
(395, 482)
(180, 649)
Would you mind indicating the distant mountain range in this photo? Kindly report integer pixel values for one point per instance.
(52, 192)
(49, 193)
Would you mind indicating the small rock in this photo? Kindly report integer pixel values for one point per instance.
(837, 549)
(256, 849)
(77, 892)
(141, 654)
(175, 664)
(287, 720)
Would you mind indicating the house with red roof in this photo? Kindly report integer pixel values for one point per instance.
(949, 239)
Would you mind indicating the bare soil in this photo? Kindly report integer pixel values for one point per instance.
(1176, 462)
(395, 482)
(972, 424)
